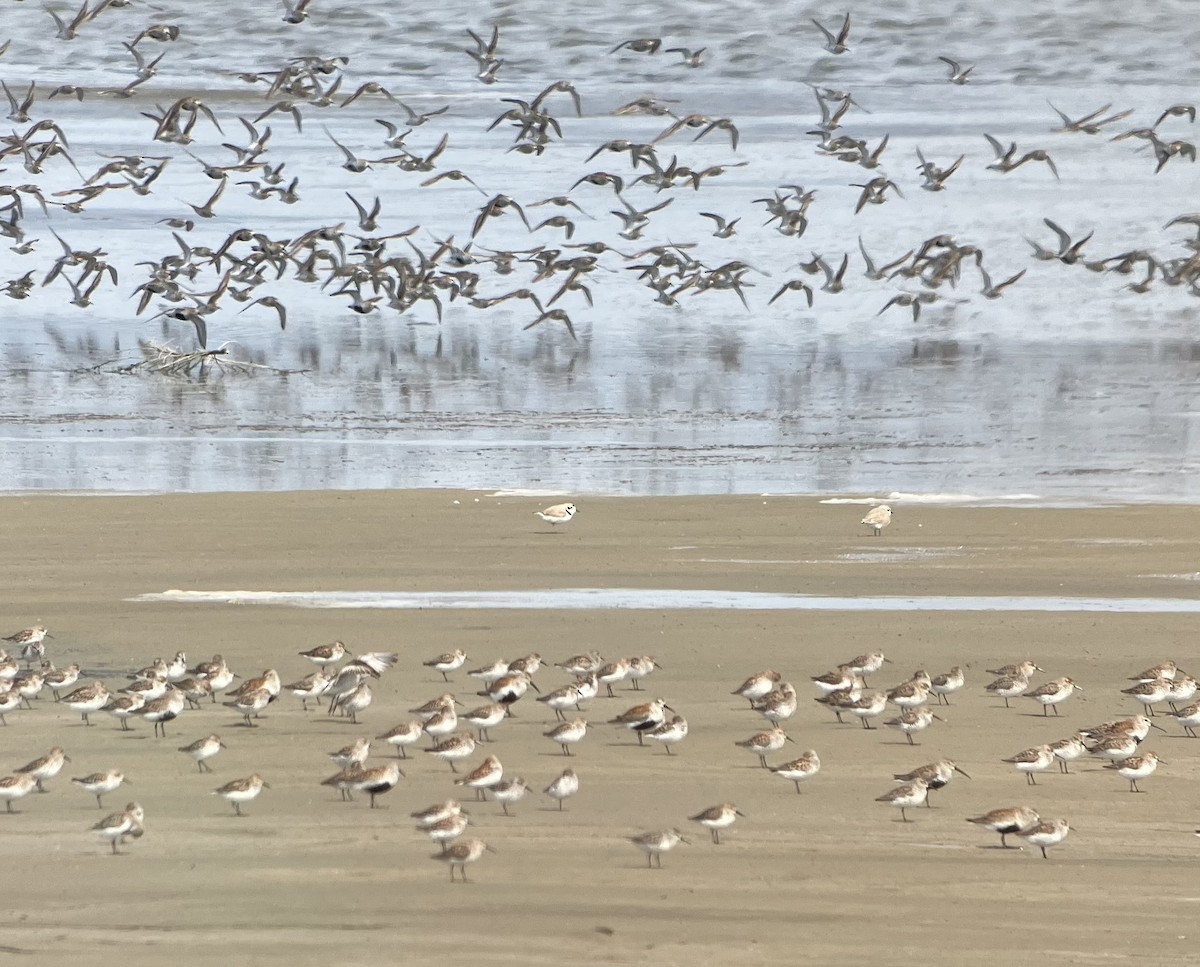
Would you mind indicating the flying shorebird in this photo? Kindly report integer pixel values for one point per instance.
(640, 45)
(1089, 123)
(370, 87)
(1005, 157)
(206, 210)
(725, 228)
(452, 175)
(1068, 251)
(297, 12)
(724, 124)
(991, 291)
(19, 110)
(416, 118)
(69, 30)
(958, 73)
(935, 177)
(367, 219)
(833, 280)
(913, 300)
(874, 192)
(273, 303)
(352, 163)
(497, 206)
(691, 58)
(794, 285)
(1178, 111)
(836, 44)
(881, 272)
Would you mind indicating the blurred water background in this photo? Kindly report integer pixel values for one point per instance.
(1071, 387)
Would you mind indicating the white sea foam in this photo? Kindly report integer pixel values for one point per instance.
(528, 492)
(918, 498)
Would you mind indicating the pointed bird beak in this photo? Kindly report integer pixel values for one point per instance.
(960, 772)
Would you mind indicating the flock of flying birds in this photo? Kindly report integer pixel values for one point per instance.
(370, 264)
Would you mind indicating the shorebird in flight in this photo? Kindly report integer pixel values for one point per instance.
(640, 45)
(836, 44)
(935, 177)
(691, 58)
(1005, 157)
(958, 73)
(1089, 123)
(1068, 251)
(991, 291)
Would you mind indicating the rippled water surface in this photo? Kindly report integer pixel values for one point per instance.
(1070, 386)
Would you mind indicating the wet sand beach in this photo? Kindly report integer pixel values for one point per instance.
(826, 876)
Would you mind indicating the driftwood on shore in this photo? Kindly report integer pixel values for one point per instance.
(196, 364)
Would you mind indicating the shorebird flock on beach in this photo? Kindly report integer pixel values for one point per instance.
(546, 258)
(475, 738)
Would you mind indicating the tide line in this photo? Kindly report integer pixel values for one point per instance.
(664, 599)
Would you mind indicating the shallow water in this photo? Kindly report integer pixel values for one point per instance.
(1068, 388)
(671, 599)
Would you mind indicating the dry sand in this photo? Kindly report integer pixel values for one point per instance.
(826, 876)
